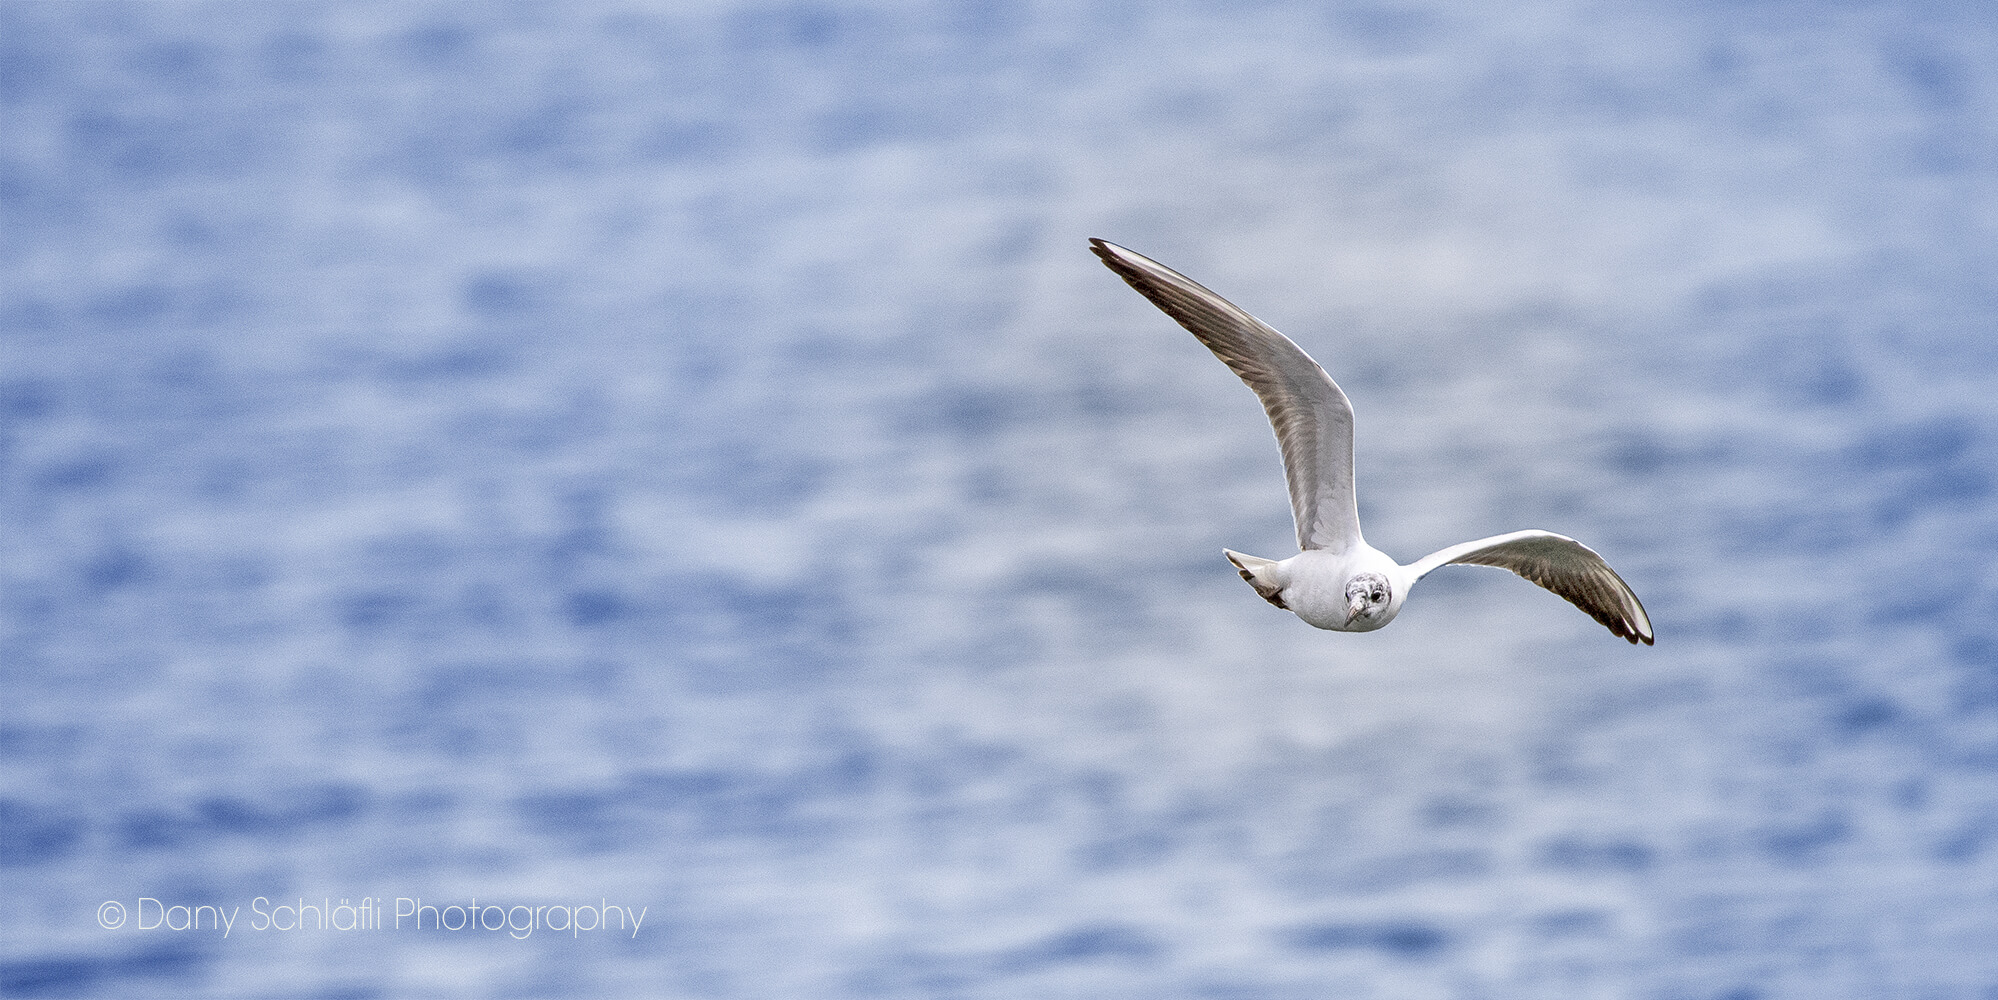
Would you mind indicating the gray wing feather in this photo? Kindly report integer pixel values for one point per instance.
(1312, 418)
(1560, 564)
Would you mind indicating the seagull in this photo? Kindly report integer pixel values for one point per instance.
(1337, 581)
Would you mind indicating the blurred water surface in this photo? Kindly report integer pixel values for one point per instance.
(683, 457)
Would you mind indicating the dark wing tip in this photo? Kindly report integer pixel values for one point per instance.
(1627, 629)
(1168, 295)
(1112, 256)
(1619, 625)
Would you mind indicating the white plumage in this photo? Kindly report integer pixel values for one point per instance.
(1337, 581)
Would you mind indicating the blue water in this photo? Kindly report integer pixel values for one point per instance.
(596, 459)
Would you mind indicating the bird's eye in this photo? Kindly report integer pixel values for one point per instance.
(1378, 596)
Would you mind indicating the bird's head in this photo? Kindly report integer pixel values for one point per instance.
(1367, 596)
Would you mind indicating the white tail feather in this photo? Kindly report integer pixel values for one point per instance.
(1261, 574)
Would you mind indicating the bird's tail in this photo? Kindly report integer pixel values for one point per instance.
(1261, 574)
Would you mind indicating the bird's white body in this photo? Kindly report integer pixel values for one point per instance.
(1337, 581)
(1314, 587)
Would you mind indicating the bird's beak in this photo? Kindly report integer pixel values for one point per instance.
(1354, 609)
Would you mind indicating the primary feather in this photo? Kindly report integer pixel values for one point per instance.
(1312, 418)
(1560, 564)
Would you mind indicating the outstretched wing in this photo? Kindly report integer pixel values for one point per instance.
(1311, 416)
(1562, 565)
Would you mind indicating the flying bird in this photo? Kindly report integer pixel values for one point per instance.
(1337, 581)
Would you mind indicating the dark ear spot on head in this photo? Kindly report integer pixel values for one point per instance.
(1371, 588)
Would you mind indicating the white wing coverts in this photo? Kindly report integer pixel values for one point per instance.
(1310, 414)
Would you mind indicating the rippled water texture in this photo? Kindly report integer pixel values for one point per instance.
(682, 460)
